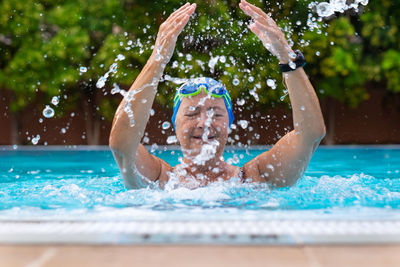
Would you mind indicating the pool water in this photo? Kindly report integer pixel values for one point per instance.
(84, 183)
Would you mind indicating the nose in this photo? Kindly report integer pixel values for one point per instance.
(204, 120)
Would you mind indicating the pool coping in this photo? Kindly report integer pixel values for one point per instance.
(265, 232)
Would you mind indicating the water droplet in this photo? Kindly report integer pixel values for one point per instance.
(292, 65)
(120, 57)
(324, 9)
(189, 57)
(115, 89)
(63, 130)
(36, 139)
(55, 100)
(82, 69)
(253, 92)
(240, 101)
(113, 68)
(292, 55)
(363, 2)
(48, 112)
(338, 5)
(101, 82)
(235, 82)
(158, 54)
(251, 79)
(271, 83)
(285, 94)
(166, 125)
(152, 112)
(172, 139)
(153, 147)
(303, 108)
(15, 147)
(243, 123)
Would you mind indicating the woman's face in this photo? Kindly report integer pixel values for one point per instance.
(202, 120)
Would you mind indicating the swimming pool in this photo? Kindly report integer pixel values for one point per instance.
(76, 195)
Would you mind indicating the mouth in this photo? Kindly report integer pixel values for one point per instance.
(209, 138)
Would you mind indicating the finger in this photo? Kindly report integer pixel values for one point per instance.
(255, 11)
(260, 34)
(272, 31)
(181, 16)
(179, 9)
(179, 12)
(188, 9)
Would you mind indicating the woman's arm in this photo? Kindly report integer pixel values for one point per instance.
(134, 161)
(288, 159)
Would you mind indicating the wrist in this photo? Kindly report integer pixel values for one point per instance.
(290, 55)
(293, 64)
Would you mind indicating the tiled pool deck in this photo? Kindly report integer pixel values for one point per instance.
(172, 255)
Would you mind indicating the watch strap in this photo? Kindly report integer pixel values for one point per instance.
(298, 62)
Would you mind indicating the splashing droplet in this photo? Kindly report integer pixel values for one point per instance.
(166, 125)
(120, 57)
(101, 82)
(172, 139)
(48, 112)
(324, 9)
(235, 82)
(36, 139)
(271, 83)
(243, 123)
(55, 100)
(82, 69)
(115, 89)
(240, 101)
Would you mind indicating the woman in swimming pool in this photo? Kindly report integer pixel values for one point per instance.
(203, 114)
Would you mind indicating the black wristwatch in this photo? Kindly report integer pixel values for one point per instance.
(298, 62)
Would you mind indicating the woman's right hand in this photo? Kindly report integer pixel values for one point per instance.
(168, 33)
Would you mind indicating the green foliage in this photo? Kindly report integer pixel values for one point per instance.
(43, 44)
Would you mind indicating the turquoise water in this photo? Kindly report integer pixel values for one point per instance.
(77, 184)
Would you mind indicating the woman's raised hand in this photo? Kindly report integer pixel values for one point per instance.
(268, 32)
(169, 31)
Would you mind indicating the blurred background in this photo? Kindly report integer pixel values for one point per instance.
(63, 65)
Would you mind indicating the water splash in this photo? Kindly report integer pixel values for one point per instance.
(325, 9)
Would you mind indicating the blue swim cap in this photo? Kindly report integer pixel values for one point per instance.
(195, 86)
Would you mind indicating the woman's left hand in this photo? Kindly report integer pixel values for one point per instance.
(268, 32)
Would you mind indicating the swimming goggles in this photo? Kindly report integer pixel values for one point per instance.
(210, 86)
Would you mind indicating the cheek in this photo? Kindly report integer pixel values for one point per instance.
(182, 132)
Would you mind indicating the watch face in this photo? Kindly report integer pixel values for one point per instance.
(300, 55)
